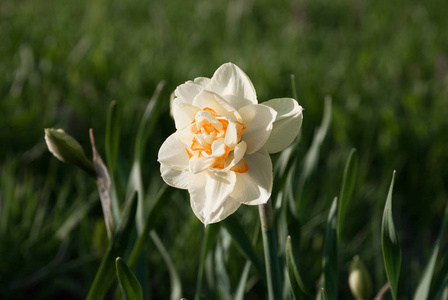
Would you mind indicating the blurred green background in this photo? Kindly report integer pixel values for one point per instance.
(385, 64)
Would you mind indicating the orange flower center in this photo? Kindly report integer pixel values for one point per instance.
(215, 137)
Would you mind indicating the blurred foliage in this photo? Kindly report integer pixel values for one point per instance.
(384, 63)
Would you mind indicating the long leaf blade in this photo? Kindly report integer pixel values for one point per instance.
(234, 228)
(128, 281)
(348, 183)
(390, 243)
(330, 254)
(176, 287)
(298, 287)
(422, 291)
(105, 275)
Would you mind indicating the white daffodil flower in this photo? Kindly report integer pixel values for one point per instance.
(220, 151)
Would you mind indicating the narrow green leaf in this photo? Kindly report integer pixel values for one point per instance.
(323, 294)
(128, 281)
(330, 253)
(112, 136)
(112, 142)
(105, 274)
(176, 287)
(149, 224)
(312, 157)
(298, 287)
(147, 124)
(241, 290)
(422, 291)
(391, 244)
(348, 183)
(104, 184)
(273, 274)
(234, 228)
(210, 233)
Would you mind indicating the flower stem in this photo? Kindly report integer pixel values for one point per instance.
(273, 274)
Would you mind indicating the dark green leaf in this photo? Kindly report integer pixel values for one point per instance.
(128, 281)
(234, 228)
(391, 244)
(422, 291)
(105, 275)
(147, 124)
(176, 287)
(112, 142)
(298, 288)
(210, 234)
(348, 183)
(330, 254)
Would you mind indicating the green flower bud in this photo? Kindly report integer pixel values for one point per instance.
(359, 280)
(65, 148)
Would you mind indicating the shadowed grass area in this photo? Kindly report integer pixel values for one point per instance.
(62, 63)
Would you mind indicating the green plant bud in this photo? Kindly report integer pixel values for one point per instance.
(65, 148)
(359, 280)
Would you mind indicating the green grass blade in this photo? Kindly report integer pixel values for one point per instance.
(391, 244)
(330, 253)
(112, 142)
(149, 224)
(147, 124)
(112, 135)
(210, 234)
(422, 291)
(273, 273)
(298, 287)
(176, 287)
(323, 294)
(105, 275)
(312, 157)
(128, 281)
(104, 185)
(348, 183)
(234, 228)
(241, 290)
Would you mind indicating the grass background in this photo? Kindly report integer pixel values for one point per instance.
(384, 63)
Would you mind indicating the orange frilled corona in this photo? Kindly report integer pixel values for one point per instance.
(211, 127)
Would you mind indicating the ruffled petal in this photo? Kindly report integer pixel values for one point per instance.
(173, 154)
(207, 99)
(183, 114)
(186, 92)
(209, 195)
(258, 121)
(234, 85)
(254, 187)
(175, 178)
(287, 123)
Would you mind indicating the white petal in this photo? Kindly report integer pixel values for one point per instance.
(231, 138)
(173, 154)
(200, 164)
(255, 186)
(258, 120)
(209, 195)
(286, 125)
(176, 178)
(183, 113)
(186, 92)
(235, 156)
(234, 85)
(207, 99)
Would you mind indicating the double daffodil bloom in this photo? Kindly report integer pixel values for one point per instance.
(220, 151)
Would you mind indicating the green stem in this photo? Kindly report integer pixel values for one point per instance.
(273, 274)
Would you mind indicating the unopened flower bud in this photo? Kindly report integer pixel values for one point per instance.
(65, 148)
(359, 280)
